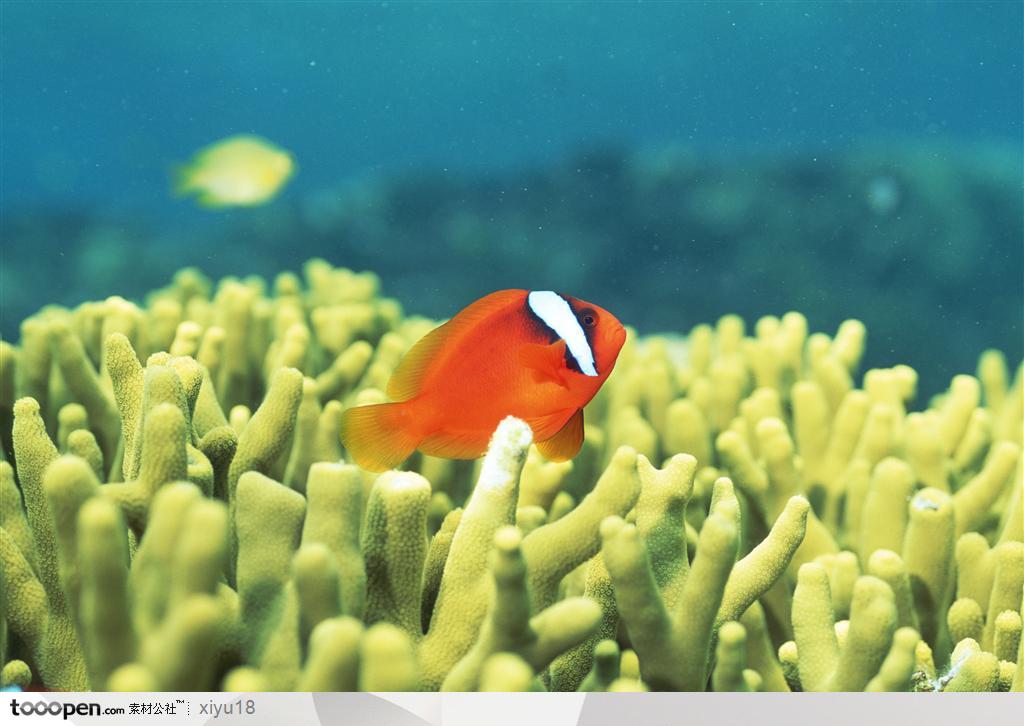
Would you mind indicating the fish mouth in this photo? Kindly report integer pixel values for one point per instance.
(618, 336)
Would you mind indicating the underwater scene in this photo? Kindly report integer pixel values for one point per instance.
(554, 346)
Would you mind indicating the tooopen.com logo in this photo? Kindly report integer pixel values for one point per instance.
(57, 708)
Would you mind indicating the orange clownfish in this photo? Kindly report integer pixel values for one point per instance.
(538, 356)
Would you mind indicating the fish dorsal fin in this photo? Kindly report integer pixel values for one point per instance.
(567, 442)
(407, 380)
(547, 362)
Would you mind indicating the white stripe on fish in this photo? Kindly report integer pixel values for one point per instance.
(554, 310)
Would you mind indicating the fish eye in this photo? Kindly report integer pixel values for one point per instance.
(589, 318)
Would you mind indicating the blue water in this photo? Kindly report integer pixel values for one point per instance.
(101, 99)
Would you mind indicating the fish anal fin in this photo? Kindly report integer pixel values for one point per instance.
(467, 445)
(212, 201)
(545, 361)
(565, 444)
(407, 380)
(377, 437)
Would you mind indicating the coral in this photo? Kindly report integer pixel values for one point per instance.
(176, 512)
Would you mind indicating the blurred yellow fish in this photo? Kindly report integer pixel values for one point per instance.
(239, 171)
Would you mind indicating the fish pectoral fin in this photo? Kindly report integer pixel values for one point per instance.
(565, 444)
(546, 362)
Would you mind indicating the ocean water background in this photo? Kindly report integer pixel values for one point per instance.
(670, 161)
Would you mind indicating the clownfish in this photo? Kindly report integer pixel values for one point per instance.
(539, 356)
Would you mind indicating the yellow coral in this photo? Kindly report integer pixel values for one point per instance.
(746, 513)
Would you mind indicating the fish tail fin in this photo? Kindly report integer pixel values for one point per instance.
(181, 179)
(378, 437)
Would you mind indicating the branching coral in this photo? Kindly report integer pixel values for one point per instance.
(176, 512)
